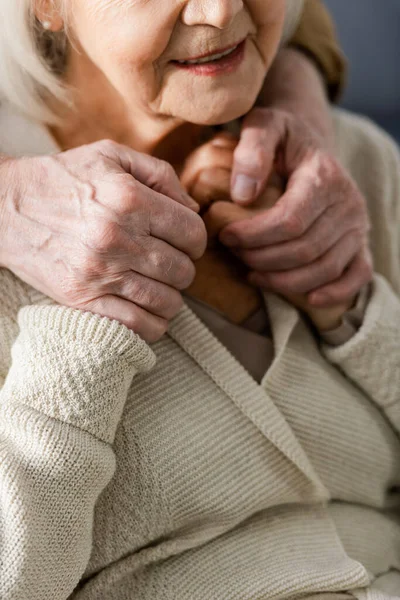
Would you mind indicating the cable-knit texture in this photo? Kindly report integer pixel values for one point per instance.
(79, 367)
(127, 478)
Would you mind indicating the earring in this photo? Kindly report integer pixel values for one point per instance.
(46, 25)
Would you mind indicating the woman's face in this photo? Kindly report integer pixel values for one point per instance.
(142, 47)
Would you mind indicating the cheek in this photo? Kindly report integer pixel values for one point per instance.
(124, 39)
(269, 17)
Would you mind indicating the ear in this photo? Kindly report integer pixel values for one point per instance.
(48, 13)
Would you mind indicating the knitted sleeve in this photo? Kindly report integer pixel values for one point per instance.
(59, 409)
(316, 37)
(371, 358)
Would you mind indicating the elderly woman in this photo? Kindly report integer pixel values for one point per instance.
(193, 476)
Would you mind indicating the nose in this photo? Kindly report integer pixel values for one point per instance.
(217, 13)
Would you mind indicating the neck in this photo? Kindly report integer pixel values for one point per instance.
(99, 112)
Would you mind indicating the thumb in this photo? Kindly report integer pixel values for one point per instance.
(262, 134)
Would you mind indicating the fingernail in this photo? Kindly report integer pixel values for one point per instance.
(244, 188)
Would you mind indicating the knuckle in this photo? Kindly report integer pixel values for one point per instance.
(198, 237)
(133, 320)
(173, 305)
(157, 299)
(128, 195)
(334, 269)
(330, 170)
(165, 172)
(293, 226)
(307, 253)
(158, 330)
(184, 274)
(102, 236)
(180, 271)
(105, 146)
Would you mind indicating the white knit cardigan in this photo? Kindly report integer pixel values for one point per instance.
(137, 473)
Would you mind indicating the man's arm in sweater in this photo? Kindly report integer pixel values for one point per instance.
(371, 358)
(59, 409)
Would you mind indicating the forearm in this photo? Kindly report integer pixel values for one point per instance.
(59, 409)
(295, 85)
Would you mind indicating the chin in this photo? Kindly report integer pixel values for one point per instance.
(216, 113)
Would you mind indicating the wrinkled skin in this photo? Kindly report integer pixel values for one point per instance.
(129, 231)
(133, 95)
(315, 239)
(207, 177)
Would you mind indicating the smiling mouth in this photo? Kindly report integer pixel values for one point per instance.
(210, 58)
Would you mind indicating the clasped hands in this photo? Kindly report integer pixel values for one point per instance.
(301, 253)
(109, 230)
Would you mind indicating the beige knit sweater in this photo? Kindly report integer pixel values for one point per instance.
(167, 473)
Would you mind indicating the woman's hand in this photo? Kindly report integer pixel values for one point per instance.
(207, 177)
(104, 229)
(315, 240)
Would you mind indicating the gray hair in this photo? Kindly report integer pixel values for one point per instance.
(33, 60)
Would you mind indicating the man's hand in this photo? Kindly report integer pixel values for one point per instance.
(207, 176)
(314, 241)
(104, 229)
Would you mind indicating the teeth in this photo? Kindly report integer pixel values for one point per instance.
(206, 59)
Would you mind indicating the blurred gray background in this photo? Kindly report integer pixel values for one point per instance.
(369, 31)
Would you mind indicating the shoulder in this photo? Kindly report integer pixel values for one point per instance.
(361, 145)
(372, 158)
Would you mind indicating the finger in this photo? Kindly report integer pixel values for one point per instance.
(221, 214)
(326, 269)
(261, 135)
(151, 172)
(206, 157)
(346, 287)
(321, 236)
(149, 327)
(161, 262)
(175, 224)
(142, 212)
(155, 297)
(211, 185)
(224, 139)
(295, 212)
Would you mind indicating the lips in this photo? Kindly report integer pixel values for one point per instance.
(210, 56)
(216, 63)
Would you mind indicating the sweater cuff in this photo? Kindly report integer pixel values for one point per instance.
(75, 367)
(371, 358)
(88, 328)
